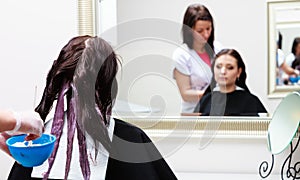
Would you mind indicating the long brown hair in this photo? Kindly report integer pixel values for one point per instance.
(62, 70)
(84, 73)
(192, 14)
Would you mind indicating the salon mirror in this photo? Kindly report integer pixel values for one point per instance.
(119, 13)
(91, 21)
(283, 18)
(284, 123)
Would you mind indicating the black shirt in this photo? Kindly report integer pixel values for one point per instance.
(236, 103)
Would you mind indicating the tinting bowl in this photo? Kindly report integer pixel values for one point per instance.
(293, 79)
(31, 153)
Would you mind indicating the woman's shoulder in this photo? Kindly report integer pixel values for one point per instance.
(247, 96)
(129, 131)
(126, 125)
(290, 56)
(203, 102)
(251, 101)
(182, 51)
(206, 95)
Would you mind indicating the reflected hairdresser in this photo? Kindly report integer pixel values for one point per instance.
(193, 59)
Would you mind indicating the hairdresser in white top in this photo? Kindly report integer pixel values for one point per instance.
(192, 70)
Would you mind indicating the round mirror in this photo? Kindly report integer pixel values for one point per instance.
(284, 123)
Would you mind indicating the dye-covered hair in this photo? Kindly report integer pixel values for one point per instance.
(241, 81)
(192, 14)
(62, 70)
(84, 73)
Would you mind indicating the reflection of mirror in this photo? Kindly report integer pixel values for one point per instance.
(283, 17)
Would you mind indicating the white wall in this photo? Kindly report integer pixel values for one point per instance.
(239, 24)
(32, 34)
(224, 158)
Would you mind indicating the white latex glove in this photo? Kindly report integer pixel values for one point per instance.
(3, 146)
(28, 123)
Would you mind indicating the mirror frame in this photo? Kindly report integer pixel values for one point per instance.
(196, 126)
(275, 91)
(159, 127)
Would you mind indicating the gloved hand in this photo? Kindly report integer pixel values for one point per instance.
(29, 123)
(3, 146)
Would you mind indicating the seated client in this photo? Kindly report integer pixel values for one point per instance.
(228, 93)
(83, 78)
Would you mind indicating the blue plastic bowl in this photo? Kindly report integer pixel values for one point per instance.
(30, 156)
(293, 79)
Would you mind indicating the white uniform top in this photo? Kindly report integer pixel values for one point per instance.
(290, 58)
(98, 167)
(188, 62)
(280, 57)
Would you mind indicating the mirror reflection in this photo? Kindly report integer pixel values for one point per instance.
(288, 43)
(254, 50)
(284, 36)
(148, 48)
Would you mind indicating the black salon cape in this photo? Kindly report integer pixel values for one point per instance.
(140, 150)
(236, 103)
